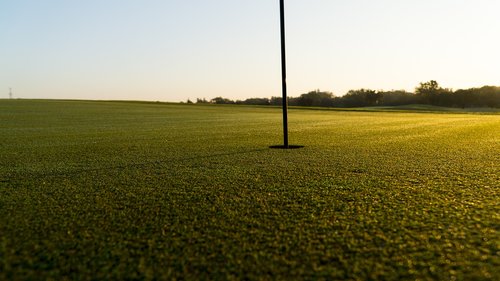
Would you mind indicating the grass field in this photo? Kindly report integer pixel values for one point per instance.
(130, 190)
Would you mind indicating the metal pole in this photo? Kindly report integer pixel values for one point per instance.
(283, 75)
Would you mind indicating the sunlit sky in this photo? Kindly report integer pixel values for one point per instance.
(172, 50)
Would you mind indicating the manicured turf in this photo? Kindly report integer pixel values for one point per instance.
(124, 190)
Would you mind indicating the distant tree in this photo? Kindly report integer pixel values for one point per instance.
(189, 101)
(316, 98)
(294, 101)
(372, 98)
(397, 97)
(276, 101)
(221, 100)
(486, 96)
(201, 100)
(431, 93)
(425, 90)
(256, 101)
(361, 97)
(489, 96)
(465, 98)
(427, 93)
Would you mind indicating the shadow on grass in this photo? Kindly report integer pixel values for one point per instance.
(75, 171)
(221, 154)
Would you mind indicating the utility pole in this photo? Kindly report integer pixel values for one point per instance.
(283, 75)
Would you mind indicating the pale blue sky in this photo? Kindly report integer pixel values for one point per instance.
(171, 50)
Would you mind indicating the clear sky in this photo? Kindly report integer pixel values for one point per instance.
(171, 50)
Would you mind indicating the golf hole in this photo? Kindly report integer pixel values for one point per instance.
(284, 147)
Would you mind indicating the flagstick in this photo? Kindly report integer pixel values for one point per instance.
(283, 75)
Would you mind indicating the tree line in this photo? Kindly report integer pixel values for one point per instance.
(429, 93)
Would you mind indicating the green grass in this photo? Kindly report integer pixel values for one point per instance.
(123, 190)
(432, 108)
